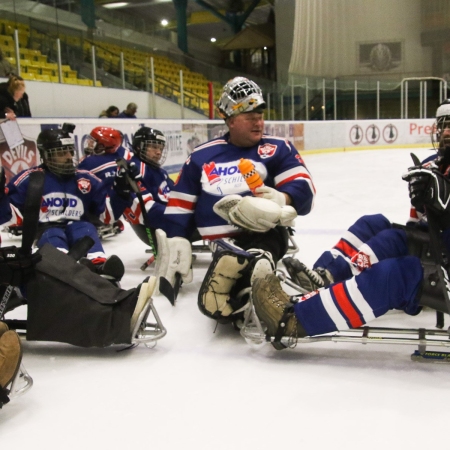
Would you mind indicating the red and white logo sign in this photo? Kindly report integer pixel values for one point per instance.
(211, 172)
(84, 185)
(267, 150)
(361, 261)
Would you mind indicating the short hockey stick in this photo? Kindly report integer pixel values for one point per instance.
(121, 163)
(169, 291)
(30, 223)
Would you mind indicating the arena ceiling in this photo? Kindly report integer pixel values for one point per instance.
(203, 19)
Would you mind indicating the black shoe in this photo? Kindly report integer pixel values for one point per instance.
(112, 269)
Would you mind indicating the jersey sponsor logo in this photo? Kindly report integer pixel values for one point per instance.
(223, 179)
(84, 185)
(57, 202)
(163, 192)
(267, 150)
(211, 172)
(58, 205)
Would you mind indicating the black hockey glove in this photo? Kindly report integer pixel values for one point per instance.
(121, 184)
(16, 268)
(133, 171)
(428, 187)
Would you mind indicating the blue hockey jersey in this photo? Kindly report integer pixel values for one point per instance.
(105, 166)
(155, 187)
(64, 199)
(211, 172)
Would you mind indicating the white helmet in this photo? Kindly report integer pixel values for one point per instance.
(442, 117)
(240, 95)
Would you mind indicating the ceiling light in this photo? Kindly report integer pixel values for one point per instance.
(115, 5)
(164, 22)
(213, 39)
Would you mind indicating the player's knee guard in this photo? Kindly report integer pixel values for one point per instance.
(228, 265)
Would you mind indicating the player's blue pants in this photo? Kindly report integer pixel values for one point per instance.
(374, 235)
(63, 238)
(391, 284)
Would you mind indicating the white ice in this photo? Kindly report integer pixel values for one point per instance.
(204, 387)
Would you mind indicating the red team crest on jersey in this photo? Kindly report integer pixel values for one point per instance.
(84, 185)
(267, 150)
(361, 261)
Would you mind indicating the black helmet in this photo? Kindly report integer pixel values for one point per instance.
(53, 145)
(145, 137)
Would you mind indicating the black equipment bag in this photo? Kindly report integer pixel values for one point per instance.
(69, 303)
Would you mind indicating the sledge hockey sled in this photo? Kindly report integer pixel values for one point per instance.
(21, 383)
(254, 332)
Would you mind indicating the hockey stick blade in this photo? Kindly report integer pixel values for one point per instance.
(415, 159)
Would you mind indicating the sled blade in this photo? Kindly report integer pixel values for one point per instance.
(431, 356)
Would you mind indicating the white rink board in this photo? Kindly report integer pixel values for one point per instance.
(183, 135)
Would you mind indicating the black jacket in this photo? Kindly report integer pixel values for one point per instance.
(20, 108)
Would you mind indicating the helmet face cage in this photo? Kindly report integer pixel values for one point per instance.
(240, 95)
(58, 161)
(149, 146)
(102, 140)
(57, 151)
(89, 146)
(442, 122)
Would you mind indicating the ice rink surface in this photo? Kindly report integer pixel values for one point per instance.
(204, 387)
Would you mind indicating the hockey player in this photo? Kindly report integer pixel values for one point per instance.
(212, 196)
(71, 197)
(390, 264)
(149, 154)
(103, 147)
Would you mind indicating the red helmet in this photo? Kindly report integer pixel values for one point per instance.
(103, 140)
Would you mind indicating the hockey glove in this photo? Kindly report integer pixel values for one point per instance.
(254, 213)
(121, 184)
(16, 268)
(271, 194)
(428, 187)
(133, 171)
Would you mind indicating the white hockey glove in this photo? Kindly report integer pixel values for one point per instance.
(174, 256)
(271, 194)
(254, 213)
